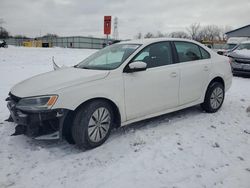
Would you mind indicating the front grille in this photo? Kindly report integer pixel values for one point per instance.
(14, 98)
(244, 61)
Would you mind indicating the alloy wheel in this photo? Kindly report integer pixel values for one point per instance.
(216, 98)
(99, 124)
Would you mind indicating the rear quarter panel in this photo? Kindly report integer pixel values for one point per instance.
(221, 68)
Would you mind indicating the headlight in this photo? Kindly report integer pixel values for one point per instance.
(231, 60)
(37, 103)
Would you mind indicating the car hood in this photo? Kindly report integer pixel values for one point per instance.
(244, 54)
(50, 82)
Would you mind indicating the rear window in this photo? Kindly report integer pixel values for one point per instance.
(204, 54)
(188, 51)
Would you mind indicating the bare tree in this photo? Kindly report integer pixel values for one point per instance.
(159, 35)
(194, 30)
(179, 34)
(3, 32)
(209, 33)
(1, 22)
(50, 35)
(149, 35)
(223, 31)
(138, 35)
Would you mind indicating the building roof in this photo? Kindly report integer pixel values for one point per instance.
(238, 29)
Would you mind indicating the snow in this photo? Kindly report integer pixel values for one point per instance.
(244, 53)
(188, 148)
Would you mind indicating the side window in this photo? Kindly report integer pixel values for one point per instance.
(187, 51)
(142, 55)
(155, 55)
(204, 53)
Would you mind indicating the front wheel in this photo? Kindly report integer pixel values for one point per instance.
(92, 124)
(214, 97)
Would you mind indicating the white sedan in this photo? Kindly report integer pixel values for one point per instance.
(120, 84)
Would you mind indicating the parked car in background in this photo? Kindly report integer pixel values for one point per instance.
(231, 45)
(240, 58)
(120, 84)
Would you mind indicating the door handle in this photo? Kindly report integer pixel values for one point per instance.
(173, 74)
(205, 68)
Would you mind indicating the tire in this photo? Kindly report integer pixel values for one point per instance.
(69, 138)
(92, 124)
(214, 97)
(67, 130)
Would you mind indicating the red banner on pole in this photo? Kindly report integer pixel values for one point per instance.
(107, 25)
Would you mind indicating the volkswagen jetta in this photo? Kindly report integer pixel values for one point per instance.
(120, 84)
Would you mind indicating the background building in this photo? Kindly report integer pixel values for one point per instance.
(240, 32)
(65, 42)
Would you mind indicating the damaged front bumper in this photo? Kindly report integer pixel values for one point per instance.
(41, 125)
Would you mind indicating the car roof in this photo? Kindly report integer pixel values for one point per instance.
(153, 40)
(246, 42)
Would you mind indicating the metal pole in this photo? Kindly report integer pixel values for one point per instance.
(107, 45)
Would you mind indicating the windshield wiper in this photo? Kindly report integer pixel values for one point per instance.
(84, 67)
(75, 66)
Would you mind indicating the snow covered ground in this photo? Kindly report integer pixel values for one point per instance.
(188, 148)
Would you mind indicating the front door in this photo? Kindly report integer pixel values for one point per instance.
(155, 89)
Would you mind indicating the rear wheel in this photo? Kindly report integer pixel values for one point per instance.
(92, 124)
(214, 97)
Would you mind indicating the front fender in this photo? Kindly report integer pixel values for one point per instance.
(71, 98)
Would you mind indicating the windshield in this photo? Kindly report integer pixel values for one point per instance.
(108, 58)
(229, 46)
(243, 46)
(218, 46)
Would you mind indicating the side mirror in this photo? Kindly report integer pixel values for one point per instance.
(136, 66)
(220, 53)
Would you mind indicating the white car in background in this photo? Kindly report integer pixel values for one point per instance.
(120, 84)
(231, 44)
(240, 58)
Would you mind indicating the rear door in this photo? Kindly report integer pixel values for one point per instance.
(195, 65)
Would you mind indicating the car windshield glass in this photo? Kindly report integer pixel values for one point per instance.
(229, 46)
(108, 58)
(243, 46)
(219, 46)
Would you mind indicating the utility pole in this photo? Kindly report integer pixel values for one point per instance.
(115, 33)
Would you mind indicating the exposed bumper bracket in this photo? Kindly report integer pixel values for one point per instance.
(10, 119)
(52, 136)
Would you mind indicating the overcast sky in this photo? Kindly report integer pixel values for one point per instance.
(85, 17)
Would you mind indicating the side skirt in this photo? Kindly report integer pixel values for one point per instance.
(162, 112)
